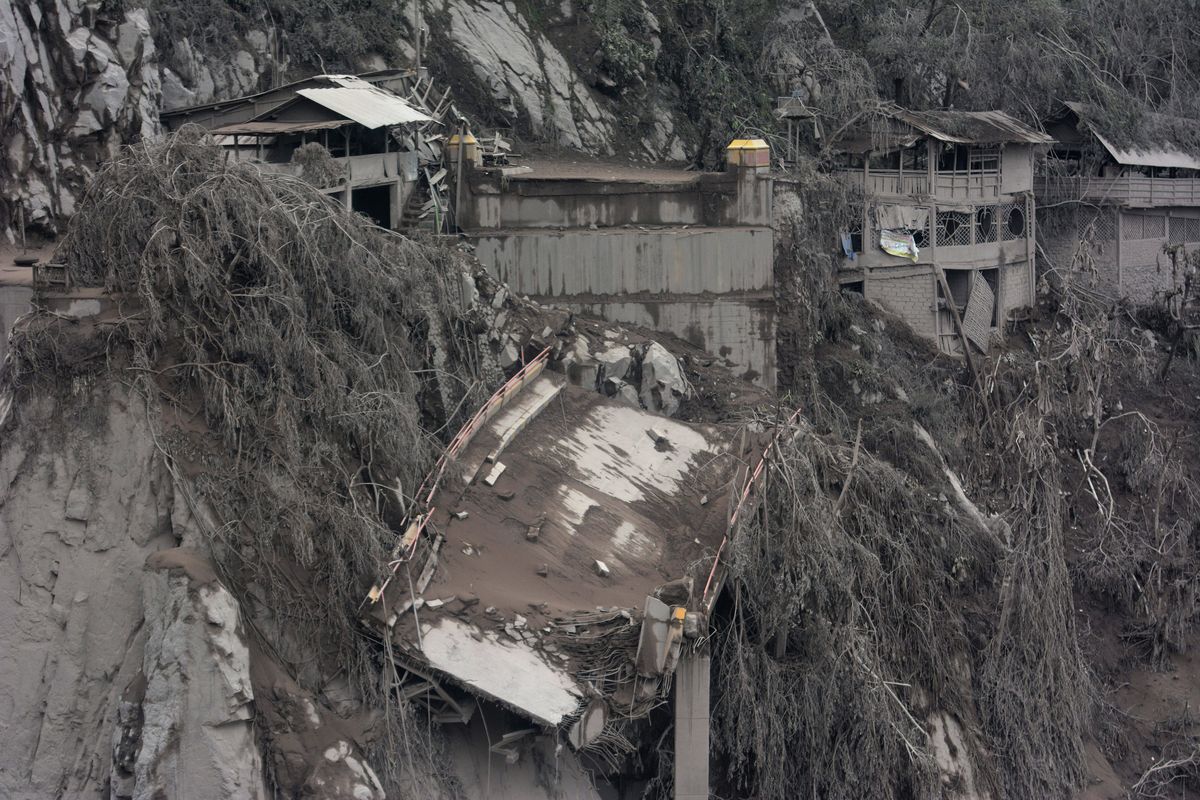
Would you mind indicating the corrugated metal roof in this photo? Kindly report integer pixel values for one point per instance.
(1160, 156)
(1157, 154)
(378, 75)
(365, 103)
(271, 128)
(971, 127)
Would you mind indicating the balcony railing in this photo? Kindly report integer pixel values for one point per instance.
(1126, 190)
(946, 185)
(370, 168)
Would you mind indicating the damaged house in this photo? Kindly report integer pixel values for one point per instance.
(1114, 204)
(369, 126)
(946, 237)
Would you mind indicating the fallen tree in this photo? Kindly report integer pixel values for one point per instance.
(296, 362)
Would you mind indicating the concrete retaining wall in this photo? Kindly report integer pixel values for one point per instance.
(686, 254)
(616, 261)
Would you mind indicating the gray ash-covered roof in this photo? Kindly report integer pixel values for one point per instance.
(1158, 140)
(893, 127)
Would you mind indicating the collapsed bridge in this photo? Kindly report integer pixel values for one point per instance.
(562, 563)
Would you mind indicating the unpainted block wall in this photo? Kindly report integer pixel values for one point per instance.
(909, 296)
(1015, 282)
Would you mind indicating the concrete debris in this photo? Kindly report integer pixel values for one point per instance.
(601, 569)
(676, 592)
(461, 514)
(590, 724)
(653, 644)
(527, 682)
(616, 361)
(495, 474)
(509, 355)
(470, 292)
(543, 570)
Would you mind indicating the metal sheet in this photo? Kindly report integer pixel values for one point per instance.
(367, 105)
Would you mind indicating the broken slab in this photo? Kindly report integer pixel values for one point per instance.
(589, 726)
(509, 672)
(653, 644)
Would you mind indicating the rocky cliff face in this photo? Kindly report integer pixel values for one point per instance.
(548, 80)
(76, 81)
(79, 78)
(127, 668)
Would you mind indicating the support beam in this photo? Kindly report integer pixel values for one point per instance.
(691, 726)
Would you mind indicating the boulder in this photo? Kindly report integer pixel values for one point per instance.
(663, 384)
(617, 361)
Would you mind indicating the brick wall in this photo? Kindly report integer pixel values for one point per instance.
(909, 295)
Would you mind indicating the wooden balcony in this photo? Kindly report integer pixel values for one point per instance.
(945, 185)
(1136, 191)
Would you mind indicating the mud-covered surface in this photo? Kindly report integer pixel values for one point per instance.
(586, 480)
